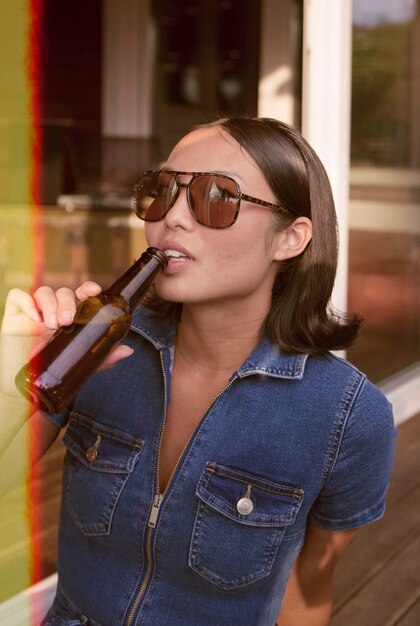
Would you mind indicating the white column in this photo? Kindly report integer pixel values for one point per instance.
(326, 107)
(127, 76)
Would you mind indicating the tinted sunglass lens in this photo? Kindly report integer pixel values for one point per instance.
(214, 200)
(153, 195)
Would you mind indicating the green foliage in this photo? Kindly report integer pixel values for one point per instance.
(381, 94)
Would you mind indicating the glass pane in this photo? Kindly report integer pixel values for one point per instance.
(385, 185)
(178, 50)
(231, 60)
(206, 64)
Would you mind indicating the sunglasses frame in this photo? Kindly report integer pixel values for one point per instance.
(239, 195)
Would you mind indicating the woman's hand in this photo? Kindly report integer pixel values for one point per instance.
(29, 321)
(45, 311)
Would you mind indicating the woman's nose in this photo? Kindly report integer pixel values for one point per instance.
(179, 215)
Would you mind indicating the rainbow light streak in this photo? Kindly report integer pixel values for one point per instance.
(21, 262)
(34, 68)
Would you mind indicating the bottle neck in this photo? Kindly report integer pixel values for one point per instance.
(137, 280)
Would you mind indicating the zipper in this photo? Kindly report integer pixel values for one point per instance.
(151, 524)
(154, 513)
(197, 426)
(158, 498)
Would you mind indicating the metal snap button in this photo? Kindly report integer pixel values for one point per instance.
(245, 506)
(92, 451)
(91, 454)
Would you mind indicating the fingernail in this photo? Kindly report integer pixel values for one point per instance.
(128, 353)
(35, 315)
(67, 317)
(52, 321)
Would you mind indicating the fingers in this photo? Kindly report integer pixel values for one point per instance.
(117, 354)
(57, 308)
(19, 301)
(66, 306)
(45, 310)
(88, 289)
(46, 303)
(21, 316)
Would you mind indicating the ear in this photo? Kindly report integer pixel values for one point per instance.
(293, 240)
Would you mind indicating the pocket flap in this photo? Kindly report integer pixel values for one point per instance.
(100, 447)
(273, 504)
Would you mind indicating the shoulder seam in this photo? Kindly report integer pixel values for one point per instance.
(348, 399)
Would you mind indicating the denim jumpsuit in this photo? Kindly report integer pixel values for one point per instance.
(289, 439)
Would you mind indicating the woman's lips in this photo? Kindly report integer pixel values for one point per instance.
(175, 249)
(176, 255)
(178, 259)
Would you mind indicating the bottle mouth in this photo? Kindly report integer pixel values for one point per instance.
(158, 255)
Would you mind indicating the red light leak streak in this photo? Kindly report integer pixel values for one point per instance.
(35, 44)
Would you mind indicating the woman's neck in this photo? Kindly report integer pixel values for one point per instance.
(214, 341)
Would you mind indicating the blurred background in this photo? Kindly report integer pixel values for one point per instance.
(119, 82)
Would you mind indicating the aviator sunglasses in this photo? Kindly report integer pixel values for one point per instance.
(213, 199)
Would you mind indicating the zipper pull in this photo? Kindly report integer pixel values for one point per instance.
(155, 511)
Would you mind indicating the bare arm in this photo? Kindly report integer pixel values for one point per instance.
(308, 597)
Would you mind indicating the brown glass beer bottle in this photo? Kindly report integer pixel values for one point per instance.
(56, 373)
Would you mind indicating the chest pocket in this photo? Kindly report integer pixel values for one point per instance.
(98, 464)
(239, 524)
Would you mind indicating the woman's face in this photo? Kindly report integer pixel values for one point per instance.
(235, 264)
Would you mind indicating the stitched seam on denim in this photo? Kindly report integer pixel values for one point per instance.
(287, 374)
(131, 449)
(102, 466)
(247, 518)
(161, 342)
(345, 407)
(98, 527)
(235, 584)
(95, 527)
(293, 492)
(100, 429)
(158, 341)
(74, 607)
(297, 371)
(294, 536)
(379, 503)
(64, 621)
(205, 572)
(256, 519)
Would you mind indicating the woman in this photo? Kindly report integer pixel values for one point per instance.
(235, 455)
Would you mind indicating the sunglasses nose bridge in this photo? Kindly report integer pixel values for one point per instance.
(185, 186)
(180, 185)
(172, 213)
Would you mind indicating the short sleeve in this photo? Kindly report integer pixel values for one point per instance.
(355, 492)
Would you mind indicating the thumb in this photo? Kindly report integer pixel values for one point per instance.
(21, 316)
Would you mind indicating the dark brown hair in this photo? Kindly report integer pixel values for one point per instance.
(301, 318)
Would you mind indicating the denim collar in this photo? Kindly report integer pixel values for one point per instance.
(265, 360)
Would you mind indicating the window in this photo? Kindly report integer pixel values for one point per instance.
(384, 212)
